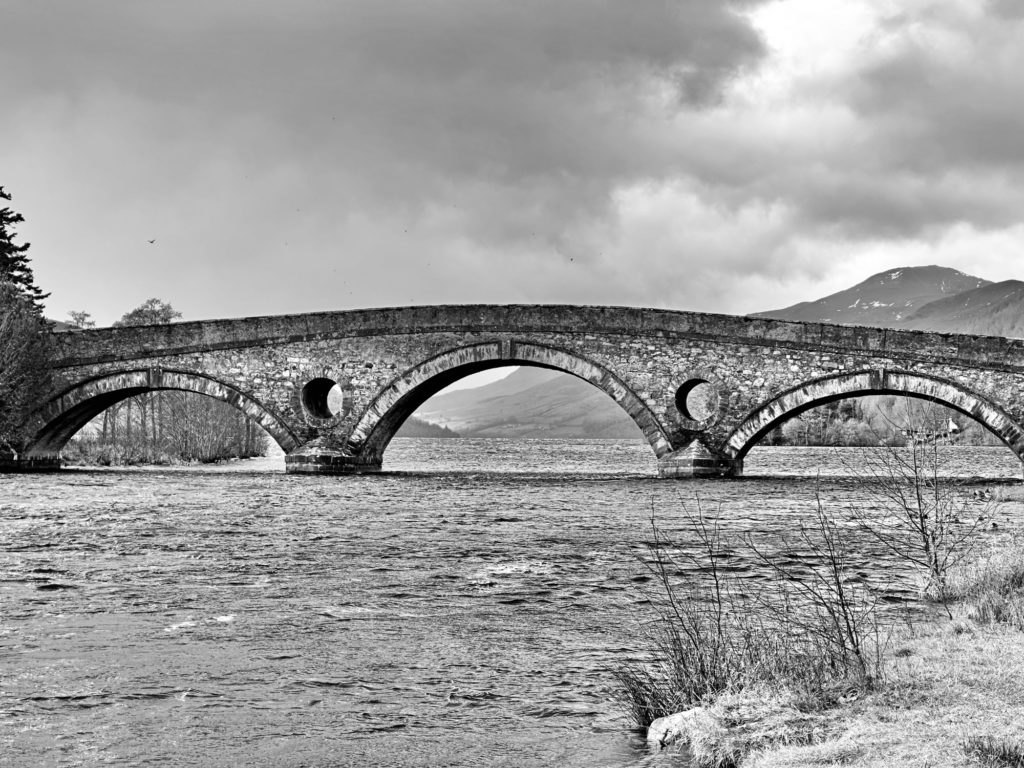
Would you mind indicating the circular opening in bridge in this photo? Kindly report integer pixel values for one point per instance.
(697, 400)
(323, 398)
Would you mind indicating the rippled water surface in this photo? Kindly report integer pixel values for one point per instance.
(462, 609)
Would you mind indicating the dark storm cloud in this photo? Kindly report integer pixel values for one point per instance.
(939, 108)
(941, 123)
(399, 91)
(387, 152)
(511, 119)
(500, 123)
(1007, 9)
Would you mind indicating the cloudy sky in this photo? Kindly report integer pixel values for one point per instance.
(332, 154)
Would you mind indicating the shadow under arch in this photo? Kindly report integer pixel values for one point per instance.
(76, 406)
(827, 389)
(397, 402)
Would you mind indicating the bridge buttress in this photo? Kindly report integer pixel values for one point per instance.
(12, 462)
(327, 456)
(697, 461)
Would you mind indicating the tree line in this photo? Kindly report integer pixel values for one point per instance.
(155, 427)
(891, 420)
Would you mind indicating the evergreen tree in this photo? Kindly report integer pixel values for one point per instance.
(24, 365)
(14, 266)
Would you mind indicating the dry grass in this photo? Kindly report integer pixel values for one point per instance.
(996, 752)
(992, 587)
(1007, 493)
(739, 722)
(960, 682)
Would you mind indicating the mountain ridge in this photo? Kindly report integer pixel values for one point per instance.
(883, 299)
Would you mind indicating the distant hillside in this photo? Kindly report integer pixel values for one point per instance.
(531, 402)
(920, 299)
(995, 309)
(884, 299)
(464, 400)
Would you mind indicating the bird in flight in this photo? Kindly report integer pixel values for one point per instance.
(151, 241)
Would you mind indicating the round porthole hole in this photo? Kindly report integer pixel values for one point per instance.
(323, 398)
(697, 400)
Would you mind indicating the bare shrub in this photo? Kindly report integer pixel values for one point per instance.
(815, 634)
(912, 507)
(837, 612)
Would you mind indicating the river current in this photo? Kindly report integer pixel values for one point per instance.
(465, 608)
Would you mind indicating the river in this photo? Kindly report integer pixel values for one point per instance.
(463, 608)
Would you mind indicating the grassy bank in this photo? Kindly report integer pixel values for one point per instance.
(948, 688)
(954, 696)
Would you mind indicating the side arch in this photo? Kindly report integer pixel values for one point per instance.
(76, 406)
(827, 389)
(396, 402)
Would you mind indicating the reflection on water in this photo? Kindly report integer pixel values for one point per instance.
(464, 616)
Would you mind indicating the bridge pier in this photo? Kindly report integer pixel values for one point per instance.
(13, 462)
(697, 461)
(327, 457)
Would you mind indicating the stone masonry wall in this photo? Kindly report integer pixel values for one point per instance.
(748, 361)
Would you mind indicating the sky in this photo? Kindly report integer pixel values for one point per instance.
(333, 154)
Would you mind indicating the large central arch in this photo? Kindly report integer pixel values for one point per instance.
(397, 401)
(77, 405)
(827, 389)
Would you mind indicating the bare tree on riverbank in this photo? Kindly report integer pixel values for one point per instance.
(913, 508)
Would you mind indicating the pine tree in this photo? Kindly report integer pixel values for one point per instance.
(25, 351)
(14, 266)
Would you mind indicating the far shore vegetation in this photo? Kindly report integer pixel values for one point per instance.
(872, 420)
(414, 427)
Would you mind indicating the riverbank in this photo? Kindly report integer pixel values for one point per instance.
(949, 687)
(951, 693)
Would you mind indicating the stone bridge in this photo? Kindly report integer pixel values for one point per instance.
(333, 388)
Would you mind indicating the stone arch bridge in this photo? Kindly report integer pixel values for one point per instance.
(333, 388)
